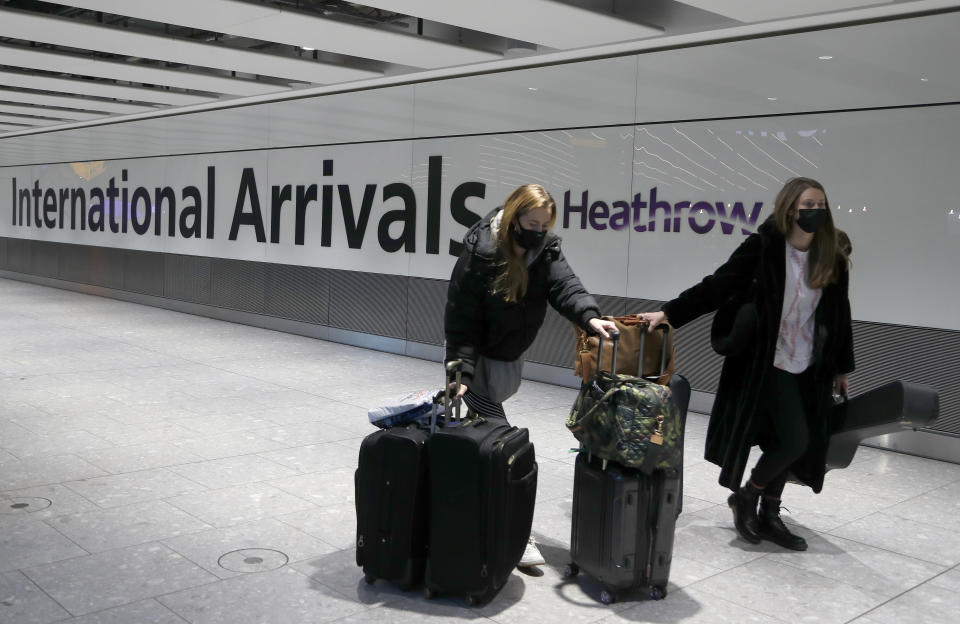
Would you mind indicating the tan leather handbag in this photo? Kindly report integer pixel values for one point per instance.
(658, 356)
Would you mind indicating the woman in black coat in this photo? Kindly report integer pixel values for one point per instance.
(778, 391)
(510, 268)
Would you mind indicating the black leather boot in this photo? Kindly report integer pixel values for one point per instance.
(772, 528)
(743, 502)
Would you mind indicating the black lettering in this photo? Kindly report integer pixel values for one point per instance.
(458, 209)
(305, 195)
(168, 195)
(78, 196)
(356, 226)
(326, 207)
(434, 179)
(124, 202)
(141, 195)
(96, 210)
(50, 208)
(112, 193)
(211, 199)
(248, 188)
(407, 215)
(37, 195)
(64, 198)
(193, 213)
(279, 196)
(24, 203)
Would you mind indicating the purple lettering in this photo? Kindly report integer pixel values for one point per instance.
(599, 210)
(637, 205)
(621, 219)
(677, 208)
(568, 208)
(701, 207)
(654, 207)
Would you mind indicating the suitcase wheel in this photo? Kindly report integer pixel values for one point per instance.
(370, 579)
(658, 593)
(429, 594)
(473, 600)
(607, 597)
(570, 570)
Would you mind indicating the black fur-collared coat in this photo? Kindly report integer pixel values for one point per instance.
(739, 417)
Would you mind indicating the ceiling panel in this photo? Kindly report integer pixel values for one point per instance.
(68, 63)
(27, 121)
(9, 95)
(99, 89)
(77, 34)
(750, 11)
(545, 22)
(295, 28)
(52, 113)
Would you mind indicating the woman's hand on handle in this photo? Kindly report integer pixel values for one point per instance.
(654, 318)
(602, 326)
(459, 392)
(841, 385)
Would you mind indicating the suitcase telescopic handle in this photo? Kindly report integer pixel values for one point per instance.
(452, 372)
(663, 351)
(615, 337)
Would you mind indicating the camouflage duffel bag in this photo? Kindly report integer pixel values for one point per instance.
(628, 420)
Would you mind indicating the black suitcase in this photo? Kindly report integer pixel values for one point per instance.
(391, 485)
(482, 491)
(624, 521)
(623, 527)
(893, 407)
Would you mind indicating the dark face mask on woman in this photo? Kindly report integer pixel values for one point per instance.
(528, 239)
(810, 219)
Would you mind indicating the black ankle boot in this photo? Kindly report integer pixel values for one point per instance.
(743, 502)
(772, 528)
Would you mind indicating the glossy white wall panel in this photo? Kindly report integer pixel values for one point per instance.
(733, 163)
(347, 117)
(901, 166)
(581, 94)
(355, 167)
(219, 130)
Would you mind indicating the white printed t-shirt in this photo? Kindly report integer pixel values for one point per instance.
(795, 343)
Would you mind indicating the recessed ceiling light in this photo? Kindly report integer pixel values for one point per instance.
(924, 80)
(825, 57)
(772, 99)
(532, 88)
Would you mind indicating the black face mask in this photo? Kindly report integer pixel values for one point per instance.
(810, 219)
(528, 239)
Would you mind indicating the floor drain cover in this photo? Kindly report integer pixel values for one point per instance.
(253, 560)
(23, 505)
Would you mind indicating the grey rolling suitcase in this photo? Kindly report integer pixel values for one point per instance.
(624, 521)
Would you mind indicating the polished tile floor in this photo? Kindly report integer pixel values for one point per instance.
(157, 467)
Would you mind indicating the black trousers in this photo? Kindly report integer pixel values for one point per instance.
(789, 398)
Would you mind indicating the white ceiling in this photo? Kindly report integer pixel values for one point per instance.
(80, 60)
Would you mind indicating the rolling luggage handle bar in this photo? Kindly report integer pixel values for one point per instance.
(615, 336)
(452, 372)
(663, 353)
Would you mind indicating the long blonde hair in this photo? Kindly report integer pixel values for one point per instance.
(511, 276)
(826, 249)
